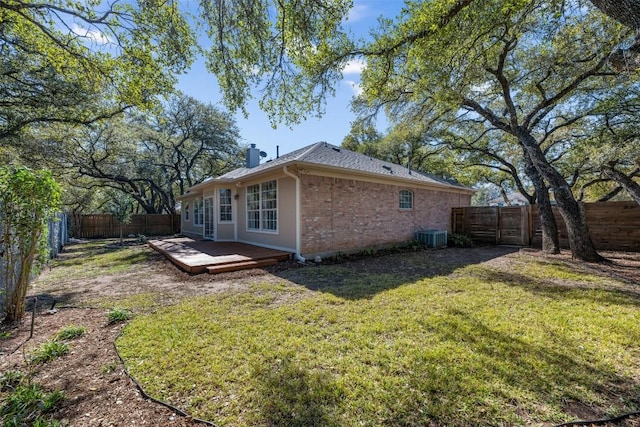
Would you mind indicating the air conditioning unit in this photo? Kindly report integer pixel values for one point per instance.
(432, 238)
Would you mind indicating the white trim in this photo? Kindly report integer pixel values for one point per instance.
(260, 210)
(298, 255)
(412, 193)
(279, 248)
(271, 232)
(234, 206)
(233, 217)
(211, 213)
(200, 211)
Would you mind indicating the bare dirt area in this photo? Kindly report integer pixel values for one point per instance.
(98, 391)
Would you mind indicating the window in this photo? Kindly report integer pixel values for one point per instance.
(262, 206)
(198, 212)
(186, 211)
(225, 205)
(406, 199)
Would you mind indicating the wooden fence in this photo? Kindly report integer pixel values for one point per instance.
(105, 226)
(613, 225)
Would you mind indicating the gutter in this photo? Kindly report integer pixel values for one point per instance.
(297, 255)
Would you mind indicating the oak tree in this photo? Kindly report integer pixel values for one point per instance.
(58, 57)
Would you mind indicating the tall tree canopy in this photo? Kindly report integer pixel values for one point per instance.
(152, 157)
(59, 56)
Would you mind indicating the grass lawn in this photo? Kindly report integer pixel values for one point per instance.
(95, 258)
(522, 344)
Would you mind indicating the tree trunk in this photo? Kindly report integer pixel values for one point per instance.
(505, 196)
(626, 12)
(16, 301)
(572, 212)
(626, 182)
(550, 239)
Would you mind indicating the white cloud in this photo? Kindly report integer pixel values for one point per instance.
(358, 12)
(93, 35)
(355, 87)
(355, 66)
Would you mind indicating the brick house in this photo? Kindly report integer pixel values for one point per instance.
(319, 200)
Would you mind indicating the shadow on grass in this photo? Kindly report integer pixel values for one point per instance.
(290, 395)
(474, 374)
(113, 255)
(47, 301)
(365, 278)
(570, 289)
(501, 366)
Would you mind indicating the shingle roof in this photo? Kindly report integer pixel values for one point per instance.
(325, 154)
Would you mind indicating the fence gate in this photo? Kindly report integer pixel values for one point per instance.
(513, 225)
(493, 225)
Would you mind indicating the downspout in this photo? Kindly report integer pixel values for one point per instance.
(298, 214)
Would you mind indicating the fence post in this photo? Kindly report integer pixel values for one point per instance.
(530, 230)
(498, 223)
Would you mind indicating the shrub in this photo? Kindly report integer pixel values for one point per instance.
(416, 245)
(460, 241)
(27, 200)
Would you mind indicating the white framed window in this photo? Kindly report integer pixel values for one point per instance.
(224, 205)
(406, 199)
(198, 212)
(262, 206)
(186, 211)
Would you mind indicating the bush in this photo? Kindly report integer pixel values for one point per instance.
(460, 241)
(416, 245)
(27, 200)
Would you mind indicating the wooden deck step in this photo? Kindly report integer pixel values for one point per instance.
(243, 265)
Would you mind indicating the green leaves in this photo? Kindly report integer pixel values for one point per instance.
(59, 57)
(27, 200)
(291, 52)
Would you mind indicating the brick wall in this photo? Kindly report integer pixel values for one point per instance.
(348, 215)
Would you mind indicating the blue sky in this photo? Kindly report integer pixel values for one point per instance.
(332, 127)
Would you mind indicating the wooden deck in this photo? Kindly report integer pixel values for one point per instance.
(199, 256)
